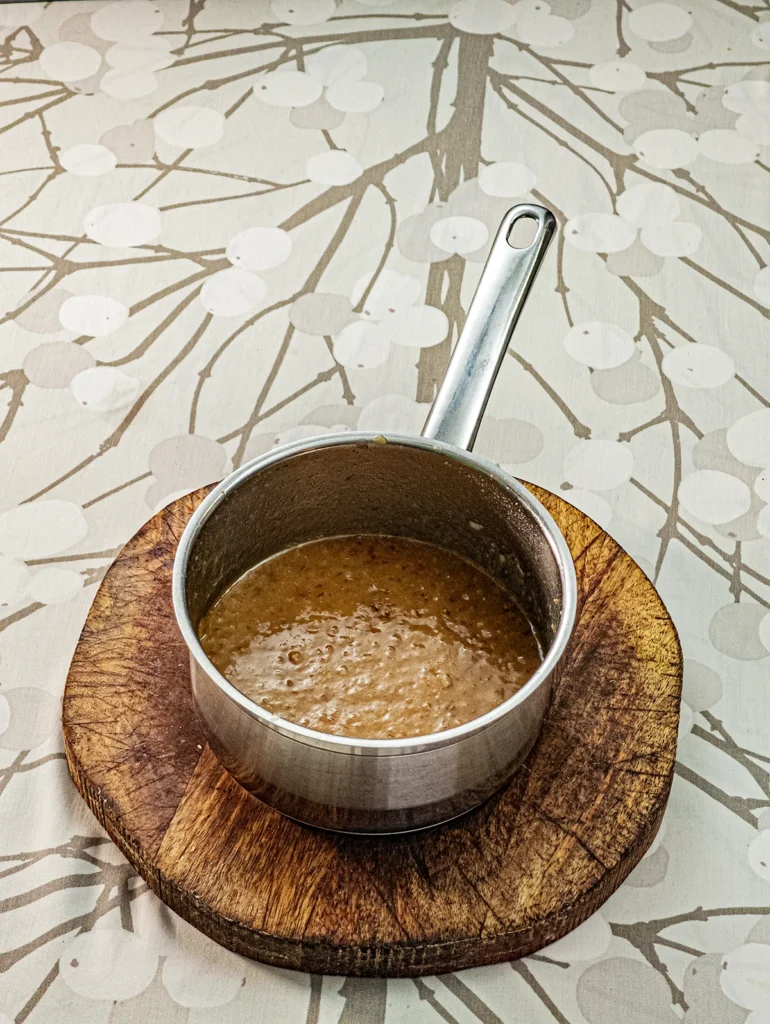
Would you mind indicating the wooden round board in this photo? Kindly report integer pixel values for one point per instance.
(500, 883)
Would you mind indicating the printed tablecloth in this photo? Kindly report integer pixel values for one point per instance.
(227, 224)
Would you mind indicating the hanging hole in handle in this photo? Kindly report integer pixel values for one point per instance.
(523, 231)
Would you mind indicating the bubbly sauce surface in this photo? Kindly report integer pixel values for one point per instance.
(371, 637)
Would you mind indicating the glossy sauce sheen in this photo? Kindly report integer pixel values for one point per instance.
(372, 637)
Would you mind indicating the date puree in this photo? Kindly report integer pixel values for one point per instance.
(371, 636)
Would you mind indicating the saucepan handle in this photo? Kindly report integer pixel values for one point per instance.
(505, 282)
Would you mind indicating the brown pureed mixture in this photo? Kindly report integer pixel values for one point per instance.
(372, 637)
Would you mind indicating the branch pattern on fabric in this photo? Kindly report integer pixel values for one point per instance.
(225, 226)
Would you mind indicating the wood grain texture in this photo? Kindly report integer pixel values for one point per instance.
(500, 883)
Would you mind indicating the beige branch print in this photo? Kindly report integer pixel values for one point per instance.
(227, 225)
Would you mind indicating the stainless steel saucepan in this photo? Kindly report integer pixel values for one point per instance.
(431, 488)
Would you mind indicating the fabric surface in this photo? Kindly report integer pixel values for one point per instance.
(228, 224)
